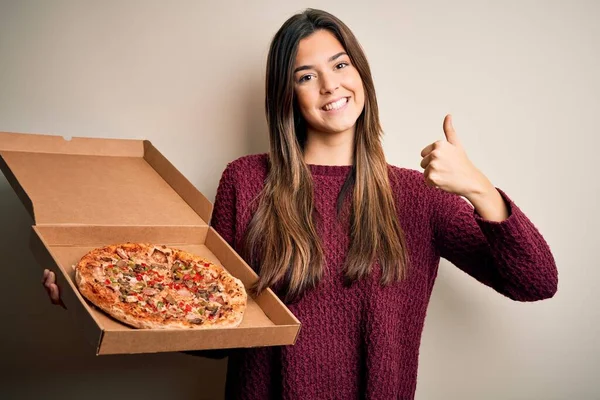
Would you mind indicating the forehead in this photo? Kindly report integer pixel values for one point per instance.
(317, 48)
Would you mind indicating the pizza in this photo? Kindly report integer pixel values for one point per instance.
(159, 287)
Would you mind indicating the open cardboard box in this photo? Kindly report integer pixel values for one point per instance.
(86, 193)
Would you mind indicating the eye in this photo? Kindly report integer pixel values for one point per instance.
(341, 65)
(305, 78)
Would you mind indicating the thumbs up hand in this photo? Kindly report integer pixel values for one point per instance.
(447, 166)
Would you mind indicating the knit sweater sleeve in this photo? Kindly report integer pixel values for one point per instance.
(510, 256)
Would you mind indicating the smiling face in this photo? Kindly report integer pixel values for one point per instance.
(328, 88)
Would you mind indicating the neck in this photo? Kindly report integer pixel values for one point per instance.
(329, 148)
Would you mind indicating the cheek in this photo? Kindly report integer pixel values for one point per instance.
(354, 83)
(359, 91)
(306, 102)
(361, 102)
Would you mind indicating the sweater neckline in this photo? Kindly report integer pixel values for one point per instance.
(330, 170)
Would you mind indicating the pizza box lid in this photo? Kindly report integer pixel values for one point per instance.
(81, 181)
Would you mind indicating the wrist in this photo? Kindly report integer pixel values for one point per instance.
(482, 188)
(488, 202)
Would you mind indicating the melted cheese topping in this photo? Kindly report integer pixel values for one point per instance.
(158, 285)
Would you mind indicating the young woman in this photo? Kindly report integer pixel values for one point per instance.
(350, 243)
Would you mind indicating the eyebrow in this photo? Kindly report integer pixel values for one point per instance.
(332, 58)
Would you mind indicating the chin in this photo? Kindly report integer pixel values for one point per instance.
(333, 130)
(333, 127)
(340, 128)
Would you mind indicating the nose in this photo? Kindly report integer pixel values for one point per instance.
(329, 83)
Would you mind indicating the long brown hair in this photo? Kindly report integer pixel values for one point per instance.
(281, 237)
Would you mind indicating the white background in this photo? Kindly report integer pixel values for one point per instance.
(519, 77)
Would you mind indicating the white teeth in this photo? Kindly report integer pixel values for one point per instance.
(335, 105)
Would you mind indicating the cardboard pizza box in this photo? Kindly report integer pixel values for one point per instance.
(86, 193)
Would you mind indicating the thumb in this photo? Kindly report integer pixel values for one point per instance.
(449, 131)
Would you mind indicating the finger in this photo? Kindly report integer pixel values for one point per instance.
(426, 150)
(50, 294)
(430, 178)
(56, 297)
(46, 276)
(426, 174)
(426, 160)
(46, 281)
(54, 293)
(51, 277)
(451, 135)
(429, 148)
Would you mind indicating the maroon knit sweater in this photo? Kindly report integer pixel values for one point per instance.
(363, 341)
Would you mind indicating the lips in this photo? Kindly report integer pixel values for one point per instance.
(335, 105)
